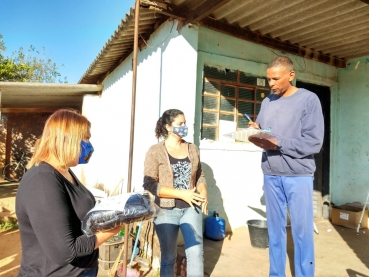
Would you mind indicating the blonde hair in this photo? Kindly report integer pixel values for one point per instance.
(61, 138)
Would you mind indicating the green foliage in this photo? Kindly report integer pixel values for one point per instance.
(2, 45)
(8, 225)
(28, 66)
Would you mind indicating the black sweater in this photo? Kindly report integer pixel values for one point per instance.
(49, 211)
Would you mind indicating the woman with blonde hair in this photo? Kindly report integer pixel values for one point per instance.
(51, 202)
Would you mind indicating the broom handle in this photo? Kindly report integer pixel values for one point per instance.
(136, 241)
(114, 268)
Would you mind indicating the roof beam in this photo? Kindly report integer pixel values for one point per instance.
(204, 10)
(165, 8)
(31, 110)
(267, 41)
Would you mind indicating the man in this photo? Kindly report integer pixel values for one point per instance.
(295, 116)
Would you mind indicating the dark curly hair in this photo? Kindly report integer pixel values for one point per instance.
(167, 118)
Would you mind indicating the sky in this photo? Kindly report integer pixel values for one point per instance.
(73, 32)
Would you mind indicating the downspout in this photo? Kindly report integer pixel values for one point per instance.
(133, 108)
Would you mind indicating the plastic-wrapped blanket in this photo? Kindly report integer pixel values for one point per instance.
(121, 209)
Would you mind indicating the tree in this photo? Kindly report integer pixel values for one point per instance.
(33, 66)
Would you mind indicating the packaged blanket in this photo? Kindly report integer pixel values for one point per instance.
(118, 210)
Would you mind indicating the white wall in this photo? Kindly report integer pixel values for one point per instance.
(166, 78)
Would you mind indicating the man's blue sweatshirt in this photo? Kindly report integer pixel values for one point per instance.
(298, 121)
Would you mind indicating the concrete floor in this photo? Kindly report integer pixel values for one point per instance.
(339, 251)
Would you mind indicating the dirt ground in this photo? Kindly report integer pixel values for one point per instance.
(339, 251)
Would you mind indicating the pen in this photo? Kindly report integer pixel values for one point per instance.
(247, 116)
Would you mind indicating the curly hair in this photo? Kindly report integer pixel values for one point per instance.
(167, 118)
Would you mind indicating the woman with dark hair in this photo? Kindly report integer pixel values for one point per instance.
(51, 202)
(174, 175)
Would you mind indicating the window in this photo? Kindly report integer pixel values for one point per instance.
(228, 95)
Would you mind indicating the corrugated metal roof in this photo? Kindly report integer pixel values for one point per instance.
(120, 45)
(23, 95)
(326, 30)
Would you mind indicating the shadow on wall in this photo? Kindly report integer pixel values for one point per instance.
(212, 248)
(257, 210)
(215, 196)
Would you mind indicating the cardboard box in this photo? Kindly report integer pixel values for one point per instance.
(349, 216)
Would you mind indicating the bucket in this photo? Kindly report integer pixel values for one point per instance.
(258, 233)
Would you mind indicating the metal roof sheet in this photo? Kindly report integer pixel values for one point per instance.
(19, 95)
(325, 30)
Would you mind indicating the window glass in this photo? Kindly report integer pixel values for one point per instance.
(228, 95)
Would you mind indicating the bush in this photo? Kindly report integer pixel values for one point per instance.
(8, 225)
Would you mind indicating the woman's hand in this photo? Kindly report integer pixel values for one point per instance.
(204, 206)
(201, 188)
(192, 197)
(103, 236)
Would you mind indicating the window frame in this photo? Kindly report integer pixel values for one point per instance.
(236, 114)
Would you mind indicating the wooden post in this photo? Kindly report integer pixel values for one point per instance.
(133, 108)
(8, 144)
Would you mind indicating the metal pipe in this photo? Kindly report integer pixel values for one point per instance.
(133, 108)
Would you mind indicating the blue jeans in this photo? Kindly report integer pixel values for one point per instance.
(90, 273)
(297, 193)
(189, 220)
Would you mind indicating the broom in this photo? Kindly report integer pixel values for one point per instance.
(114, 268)
(132, 272)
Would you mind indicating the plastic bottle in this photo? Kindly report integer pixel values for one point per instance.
(121, 233)
(215, 227)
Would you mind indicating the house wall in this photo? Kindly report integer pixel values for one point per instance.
(166, 78)
(349, 174)
(233, 169)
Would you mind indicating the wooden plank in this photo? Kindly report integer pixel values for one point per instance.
(204, 10)
(8, 143)
(246, 34)
(165, 8)
(28, 110)
(142, 42)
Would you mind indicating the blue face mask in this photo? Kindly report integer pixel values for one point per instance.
(86, 152)
(180, 131)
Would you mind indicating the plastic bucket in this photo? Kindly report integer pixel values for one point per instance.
(258, 233)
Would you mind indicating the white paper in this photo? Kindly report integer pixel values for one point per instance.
(344, 216)
(243, 135)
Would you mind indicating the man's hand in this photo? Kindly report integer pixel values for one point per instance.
(266, 144)
(253, 124)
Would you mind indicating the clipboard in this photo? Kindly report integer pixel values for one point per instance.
(243, 135)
